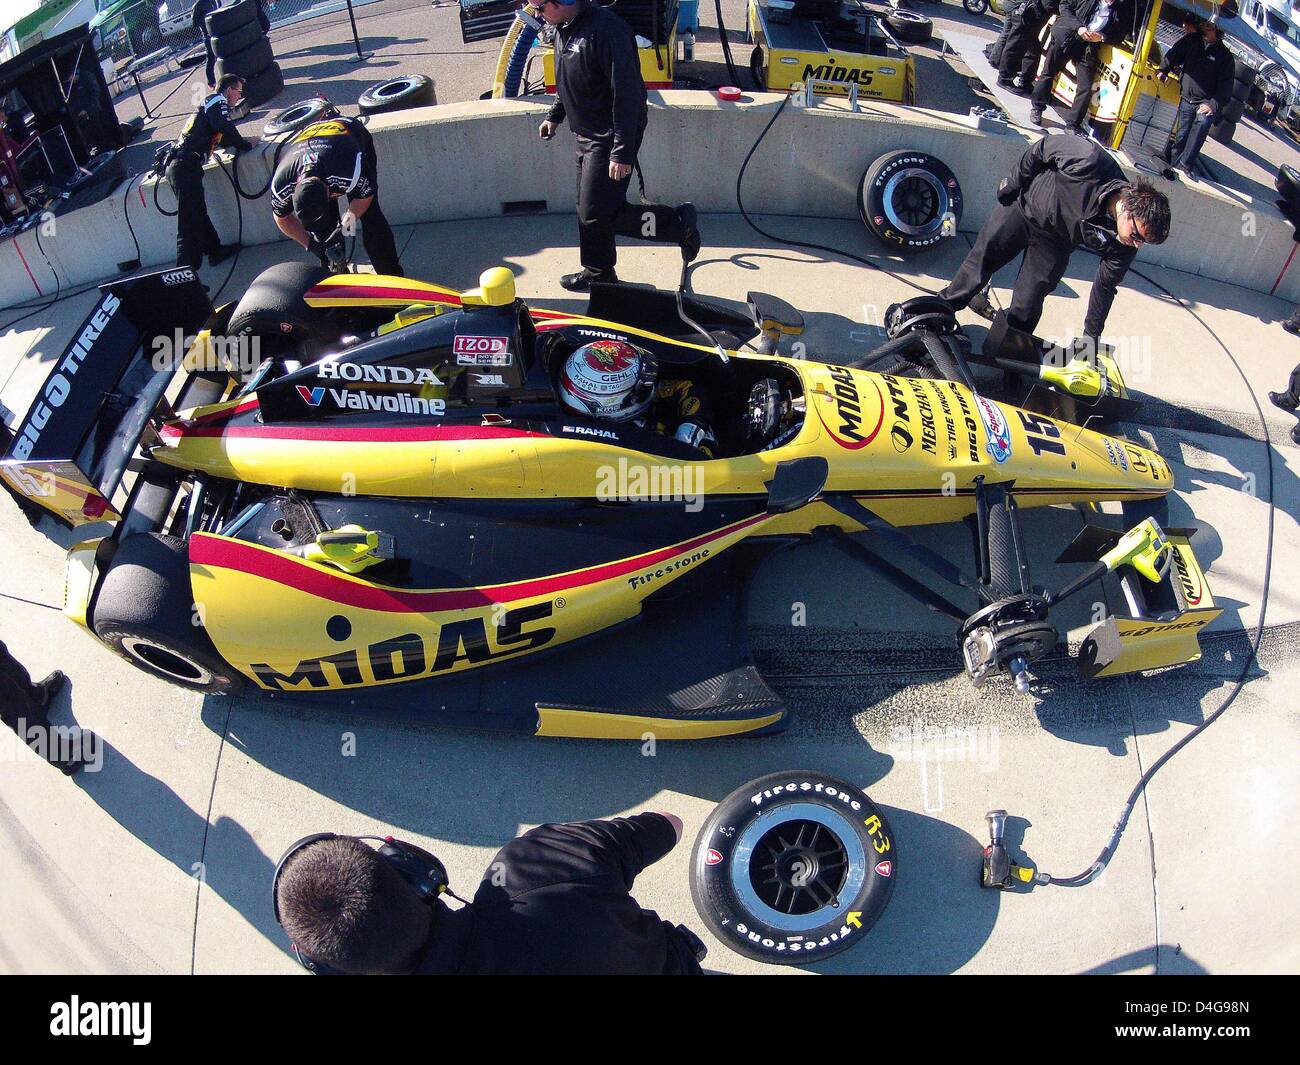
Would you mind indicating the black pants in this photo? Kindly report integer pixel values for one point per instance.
(1084, 56)
(195, 235)
(19, 697)
(1188, 135)
(603, 211)
(1005, 235)
(1022, 48)
(210, 65)
(376, 236)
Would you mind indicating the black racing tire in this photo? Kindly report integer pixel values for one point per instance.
(756, 67)
(975, 7)
(909, 27)
(237, 40)
(1287, 183)
(1223, 131)
(145, 612)
(812, 826)
(273, 309)
(398, 94)
(249, 63)
(905, 197)
(265, 86)
(225, 20)
(296, 117)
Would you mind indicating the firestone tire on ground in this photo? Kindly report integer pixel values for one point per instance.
(397, 94)
(225, 20)
(237, 40)
(793, 867)
(145, 612)
(910, 200)
(909, 27)
(248, 63)
(296, 117)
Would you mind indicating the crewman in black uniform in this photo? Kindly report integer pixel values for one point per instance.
(209, 128)
(600, 92)
(555, 901)
(199, 19)
(1206, 69)
(1066, 192)
(24, 705)
(328, 159)
(1022, 45)
(1080, 29)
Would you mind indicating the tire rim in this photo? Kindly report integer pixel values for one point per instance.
(763, 843)
(915, 202)
(392, 88)
(907, 16)
(166, 660)
(297, 113)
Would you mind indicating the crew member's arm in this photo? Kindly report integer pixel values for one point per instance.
(219, 118)
(1115, 262)
(629, 94)
(282, 186)
(618, 849)
(1175, 57)
(1031, 164)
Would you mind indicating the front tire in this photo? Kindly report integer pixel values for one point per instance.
(145, 612)
(793, 867)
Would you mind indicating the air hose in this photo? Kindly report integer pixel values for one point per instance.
(514, 53)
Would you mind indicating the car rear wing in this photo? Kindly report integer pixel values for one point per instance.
(71, 451)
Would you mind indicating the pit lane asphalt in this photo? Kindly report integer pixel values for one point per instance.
(162, 861)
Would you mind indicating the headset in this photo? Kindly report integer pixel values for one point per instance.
(421, 870)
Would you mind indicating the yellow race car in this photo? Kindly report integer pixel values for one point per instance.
(390, 507)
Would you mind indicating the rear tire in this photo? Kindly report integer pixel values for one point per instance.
(398, 94)
(145, 612)
(247, 64)
(831, 875)
(274, 310)
(909, 27)
(299, 116)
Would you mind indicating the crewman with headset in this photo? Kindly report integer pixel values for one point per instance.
(209, 127)
(326, 160)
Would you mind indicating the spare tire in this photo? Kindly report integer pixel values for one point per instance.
(910, 200)
(237, 40)
(909, 27)
(263, 87)
(249, 63)
(299, 116)
(793, 867)
(397, 94)
(144, 611)
(227, 19)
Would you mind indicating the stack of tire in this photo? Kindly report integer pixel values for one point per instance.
(241, 46)
(1244, 81)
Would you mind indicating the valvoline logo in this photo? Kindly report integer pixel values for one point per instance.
(995, 427)
(312, 396)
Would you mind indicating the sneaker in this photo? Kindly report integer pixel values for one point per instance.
(1292, 324)
(582, 280)
(49, 688)
(979, 303)
(1036, 116)
(1284, 400)
(690, 232)
(222, 253)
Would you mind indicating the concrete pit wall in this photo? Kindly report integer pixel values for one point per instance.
(472, 160)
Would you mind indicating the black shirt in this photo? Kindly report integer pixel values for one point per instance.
(210, 126)
(1074, 15)
(556, 901)
(1206, 70)
(1064, 182)
(598, 83)
(339, 150)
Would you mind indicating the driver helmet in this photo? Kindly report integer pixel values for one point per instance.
(609, 379)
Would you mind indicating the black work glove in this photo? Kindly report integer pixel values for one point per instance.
(1007, 193)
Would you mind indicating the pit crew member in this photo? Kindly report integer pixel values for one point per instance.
(328, 159)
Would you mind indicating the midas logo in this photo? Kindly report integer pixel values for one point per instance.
(58, 387)
(850, 418)
(830, 72)
(412, 656)
(1193, 589)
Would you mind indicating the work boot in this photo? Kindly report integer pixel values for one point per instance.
(222, 253)
(979, 303)
(1284, 400)
(1295, 434)
(48, 688)
(1036, 116)
(1292, 324)
(690, 232)
(582, 280)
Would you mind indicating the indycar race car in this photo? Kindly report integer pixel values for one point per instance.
(394, 510)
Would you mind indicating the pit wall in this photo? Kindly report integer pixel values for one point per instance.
(475, 160)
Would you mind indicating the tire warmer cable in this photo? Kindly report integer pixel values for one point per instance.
(1108, 851)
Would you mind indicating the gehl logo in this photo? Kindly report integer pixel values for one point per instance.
(412, 656)
(830, 72)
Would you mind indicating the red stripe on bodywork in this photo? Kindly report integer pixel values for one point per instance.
(209, 550)
(325, 292)
(388, 434)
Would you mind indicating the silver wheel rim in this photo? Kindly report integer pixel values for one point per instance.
(941, 203)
